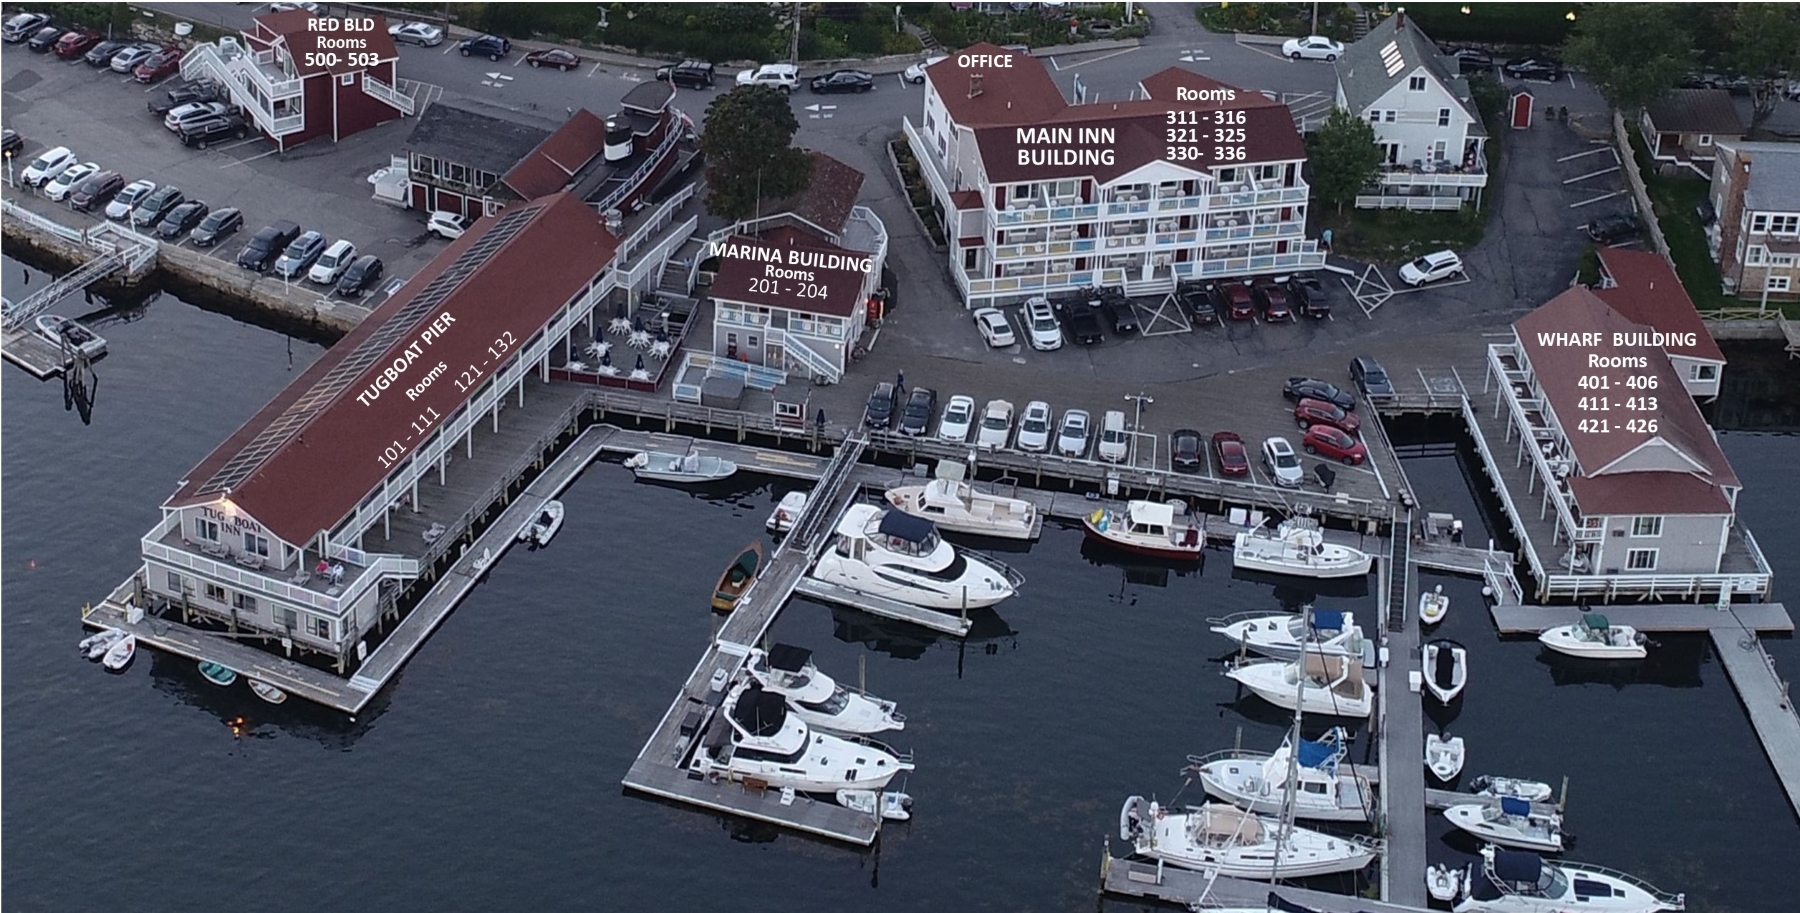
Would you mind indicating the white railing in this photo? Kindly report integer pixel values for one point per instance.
(671, 138)
(1515, 415)
(927, 158)
(377, 89)
(15, 211)
(1432, 179)
(1403, 201)
(381, 565)
(236, 73)
(1259, 263)
(242, 577)
(1473, 420)
(819, 365)
(757, 377)
(655, 259)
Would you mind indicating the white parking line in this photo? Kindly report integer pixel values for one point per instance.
(250, 159)
(596, 69)
(449, 46)
(520, 60)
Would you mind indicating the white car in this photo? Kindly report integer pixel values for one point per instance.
(332, 263)
(1431, 268)
(46, 167)
(284, 7)
(783, 76)
(1034, 427)
(1312, 47)
(959, 416)
(996, 422)
(447, 225)
(1041, 325)
(1282, 463)
(915, 74)
(994, 328)
(193, 112)
(422, 34)
(122, 204)
(1115, 441)
(1072, 434)
(63, 184)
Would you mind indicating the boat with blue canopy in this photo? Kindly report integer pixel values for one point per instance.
(1324, 788)
(1509, 822)
(1512, 881)
(1285, 636)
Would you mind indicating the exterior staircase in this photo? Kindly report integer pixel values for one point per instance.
(821, 368)
(387, 94)
(930, 42)
(1364, 22)
(679, 272)
(251, 88)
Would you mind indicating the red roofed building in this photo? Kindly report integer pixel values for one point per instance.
(1642, 286)
(298, 76)
(1041, 196)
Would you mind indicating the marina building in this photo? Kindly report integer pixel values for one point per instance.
(1040, 196)
(1684, 127)
(1425, 120)
(1755, 235)
(1642, 286)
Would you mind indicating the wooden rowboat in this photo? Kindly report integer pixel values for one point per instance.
(268, 692)
(738, 577)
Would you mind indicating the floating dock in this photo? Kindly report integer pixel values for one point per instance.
(1134, 878)
(1402, 727)
(1765, 697)
(1653, 618)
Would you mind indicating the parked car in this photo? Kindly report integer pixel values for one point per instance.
(159, 65)
(1431, 267)
(45, 38)
(883, 401)
(1282, 464)
(493, 47)
(1197, 299)
(1370, 377)
(1334, 443)
(560, 58)
(838, 81)
(267, 244)
(1309, 412)
(1187, 451)
(101, 54)
(1536, 69)
(361, 276)
(1115, 442)
(996, 424)
(1082, 325)
(1274, 300)
(127, 199)
(11, 142)
(217, 224)
(150, 211)
(330, 266)
(127, 61)
(23, 26)
(915, 418)
(76, 43)
(1310, 296)
(192, 112)
(1312, 47)
(915, 74)
(302, 5)
(783, 76)
(691, 74)
(96, 191)
(1472, 60)
(994, 328)
(1299, 388)
(1072, 434)
(58, 188)
(47, 166)
(203, 133)
(1034, 427)
(1041, 326)
(1234, 457)
(300, 255)
(959, 416)
(164, 103)
(1613, 228)
(423, 34)
(1233, 299)
(447, 225)
(1118, 307)
(181, 219)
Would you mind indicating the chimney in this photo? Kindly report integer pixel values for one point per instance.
(974, 84)
(1400, 18)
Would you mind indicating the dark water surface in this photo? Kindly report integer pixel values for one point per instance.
(487, 775)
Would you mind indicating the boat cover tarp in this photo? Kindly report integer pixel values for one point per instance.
(1596, 621)
(1515, 807)
(1327, 620)
(904, 526)
(760, 712)
(1316, 754)
(1519, 868)
(789, 658)
(1443, 672)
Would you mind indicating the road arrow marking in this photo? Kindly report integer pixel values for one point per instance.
(492, 75)
(812, 107)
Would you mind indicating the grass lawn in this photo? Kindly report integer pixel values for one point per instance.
(1397, 235)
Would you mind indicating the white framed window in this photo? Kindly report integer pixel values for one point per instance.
(1759, 223)
(256, 545)
(1754, 256)
(176, 584)
(1374, 116)
(321, 627)
(1706, 139)
(1782, 259)
(1439, 150)
(1646, 527)
(1641, 559)
(1021, 191)
(348, 79)
(1703, 372)
(1776, 283)
(1784, 225)
(244, 602)
(206, 530)
(1388, 116)
(1268, 172)
(1415, 84)
(215, 592)
(1443, 117)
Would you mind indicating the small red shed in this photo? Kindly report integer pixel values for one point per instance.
(1521, 110)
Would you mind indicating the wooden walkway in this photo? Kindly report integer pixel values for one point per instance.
(1652, 618)
(1457, 559)
(1766, 699)
(1402, 722)
(1134, 878)
(24, 347)
(883, 607)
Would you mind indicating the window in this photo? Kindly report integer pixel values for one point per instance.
(1706, 139)
(1227, 175)
(1390, 152)
(1415, 84)
(1388, 116)
(1021, 191)
(348, 79)
(176, 584)
(256, 545)
(1703, 372)
(1784, 225)
(215, 592)
(1782, 260)
(1443, 117)
(1759, 224)
(1776, 283)
(206, 530)
(244, 602)
(321, 627)
(1646, 527)
(1754, 257)
(1374, 116)
(289, 618)
(458, 174)
(1641, 559)
(1440, 150)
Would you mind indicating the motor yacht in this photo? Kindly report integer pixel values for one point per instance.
(1510, 822)
(901, 557)
(1297, 547)
(755, 735)
(957, 506)
(1512, 881)
(1316, 631)
(1323, 685)
(817, 699)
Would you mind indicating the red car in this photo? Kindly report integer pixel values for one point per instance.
(1234, 301)
(553, 57)
(1274, 300)
(1310, 412)
(1327, 441)
(76, 43)
(158, 65)
(1234, 460)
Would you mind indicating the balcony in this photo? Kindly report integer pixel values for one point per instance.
(1267, 231)
(1246, 198)
(1068, 248)
(256, 82)
(297, 585)
(1428, 175)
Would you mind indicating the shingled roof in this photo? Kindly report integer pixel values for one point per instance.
(828, 196)
(1696, 111)
(1011, 88)
(478, 138)
(1646, 290)
(554, 162)
(1391, 51)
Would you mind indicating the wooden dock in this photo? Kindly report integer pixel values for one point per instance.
(1651, 618)
(1134, 878)
(1402, 732)
(1766, 699)
(1456, 559)
(883, 607)
(25, 348)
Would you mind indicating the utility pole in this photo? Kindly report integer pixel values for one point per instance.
(1315, 21)
(1137, 420)
(794, 39)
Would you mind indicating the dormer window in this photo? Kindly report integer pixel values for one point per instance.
(1415, 84)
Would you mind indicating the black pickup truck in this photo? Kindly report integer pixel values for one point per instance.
(201, 134)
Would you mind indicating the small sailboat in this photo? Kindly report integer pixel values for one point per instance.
(119, 655)
(1313, 784)
(1446, 669)
(1593, 637)
(217, 674)
(1444, 756)
(268, 692)
(680, 467)
(1510, 823)
(95, 646)
(782, 518)
(895, 806)
(1236, 843)
(1433, 606)
(1443, 882)
(548, 521)
(738, 577)
(1508, 787)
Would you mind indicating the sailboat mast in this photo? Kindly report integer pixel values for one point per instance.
(1293, 771)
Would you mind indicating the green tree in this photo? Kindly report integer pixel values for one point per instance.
(749, 151)
(1765, 45)
(1634, 52)
(1344, 157)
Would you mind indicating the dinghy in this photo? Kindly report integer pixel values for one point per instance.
(1510, 823)
(119, 655)
(738, 577)
(1444, 756)
(782, 518)
(1443, 882)
(895, 806)
(1446, 669)
(96, 645)
(680, 467)
(217, 674)
(1504, 787)
(1593, 637)
(548, 521)
(268, 692)
(1433, 606)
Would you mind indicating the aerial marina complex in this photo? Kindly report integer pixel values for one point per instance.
(1112, 375)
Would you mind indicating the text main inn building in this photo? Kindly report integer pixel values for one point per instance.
(1040, 196)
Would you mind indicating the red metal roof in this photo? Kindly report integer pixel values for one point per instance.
(301, 39)
(1647, 291)
(842, 287)
(965, 199)
(304, 462)
(1633, 493)
(549, 167)
(1006, 88)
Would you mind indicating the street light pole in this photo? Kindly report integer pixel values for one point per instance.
(1137, 419)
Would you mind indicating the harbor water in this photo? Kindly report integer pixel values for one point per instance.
(487, 775)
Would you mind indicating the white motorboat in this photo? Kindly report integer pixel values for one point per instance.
(60, 329)
(754, 735)
(1433, 606)
(1443, 882)
(119, 655)
(957, 506)
(1593, 637)
(815, 698)
(267, 692)
(1297, 547)
(1446, 669)
(901, 557)
(1324, 790)
(782, 518)
(1510, 822)
(680, 467)
(1235, 842)
(1325, 685)
(95, 646)
(895, 806)
(542, 529)
(1148, 528)
(1320, 632)
(1512, 881)
(1504, 787)
(1444, 756)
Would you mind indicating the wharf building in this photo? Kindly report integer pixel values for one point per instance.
(1040, 196)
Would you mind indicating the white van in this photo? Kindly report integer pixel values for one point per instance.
(1115, 441)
